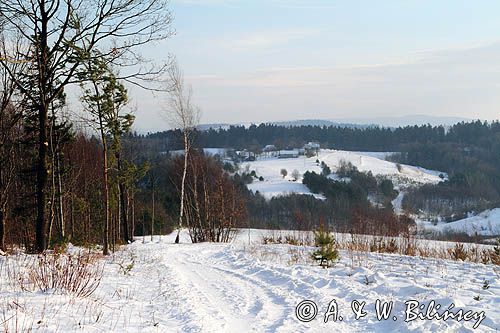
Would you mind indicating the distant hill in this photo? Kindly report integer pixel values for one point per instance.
(288, 123)
(318, 122)
(408, 120)
(355, 122)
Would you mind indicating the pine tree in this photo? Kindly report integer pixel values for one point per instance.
(327, 251)
(105, 98)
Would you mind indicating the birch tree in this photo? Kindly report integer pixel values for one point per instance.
(184, 115)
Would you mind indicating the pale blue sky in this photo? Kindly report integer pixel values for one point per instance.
(256, 61)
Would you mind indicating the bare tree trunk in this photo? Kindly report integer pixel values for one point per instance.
(132, 233)
(105, 250)
(113, 231)
(143, 227)
(123, 204)
(153, 215)
(118, 222)
(60, 197)
(72, 217)
(41, 181)
(2, 230)
(43, 108)
(183, 182)
(53, 180)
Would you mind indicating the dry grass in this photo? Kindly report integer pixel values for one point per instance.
(74, 274)
(406, 244)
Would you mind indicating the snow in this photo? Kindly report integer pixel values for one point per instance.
(274, 184)
(397, 203)
(486, 223)
(249, 287)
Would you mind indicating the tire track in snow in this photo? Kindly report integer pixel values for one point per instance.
(237, 303)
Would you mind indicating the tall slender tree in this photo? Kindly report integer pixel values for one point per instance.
(10, 118)
(105, 97)
(185, 115)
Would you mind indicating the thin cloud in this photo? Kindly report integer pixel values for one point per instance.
(455, 82)
(267, 39)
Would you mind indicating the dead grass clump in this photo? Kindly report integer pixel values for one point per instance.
(78, 274)
(293, 239)
(459, 252)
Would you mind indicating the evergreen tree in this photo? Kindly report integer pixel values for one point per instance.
(327, 251)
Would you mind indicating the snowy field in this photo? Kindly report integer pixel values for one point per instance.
(486, 223)
(248, 287)
(274, 184)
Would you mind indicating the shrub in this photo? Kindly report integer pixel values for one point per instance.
(283, 173)
(495, 253)
(327, 251)
(458, 252)
(77, 275)
(391, 246)
(325, 169)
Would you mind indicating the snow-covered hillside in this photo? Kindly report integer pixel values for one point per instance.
(486, 223)
(274, 184)
(249, 287)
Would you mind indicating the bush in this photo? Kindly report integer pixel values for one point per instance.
(283, 173)
(77, 275)
(458, 252)
(495, 253)
(327, 251)
(325, 169)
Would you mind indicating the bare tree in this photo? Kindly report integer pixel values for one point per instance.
(61, 35)
(213, 202)
(10, 116)
(182, 114)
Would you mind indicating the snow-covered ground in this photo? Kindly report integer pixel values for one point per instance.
(274, 184)
(249, 287)
(486, 223)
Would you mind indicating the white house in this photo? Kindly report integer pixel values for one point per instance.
(288, 153)
(313, 145)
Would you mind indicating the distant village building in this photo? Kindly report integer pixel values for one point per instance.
(245, 155)
(313, 145)
(270, 151)
(269, 148)
(288, 153)
(312, 148)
